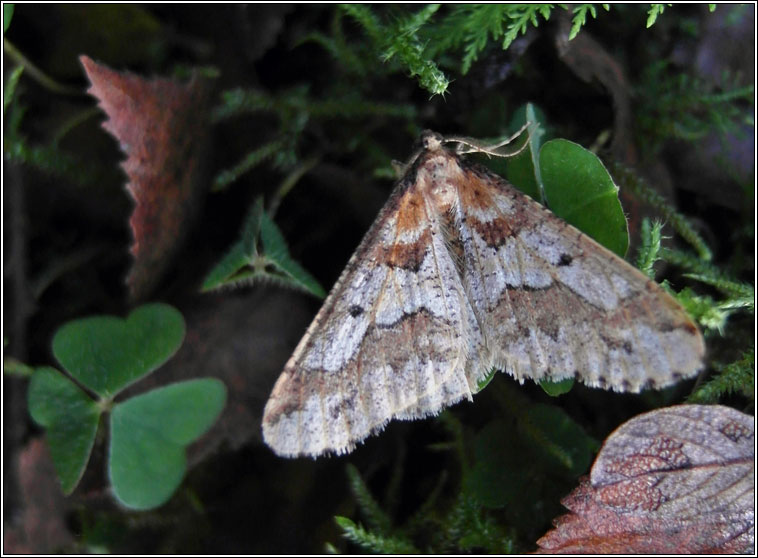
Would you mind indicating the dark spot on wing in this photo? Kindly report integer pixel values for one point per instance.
(355, 310)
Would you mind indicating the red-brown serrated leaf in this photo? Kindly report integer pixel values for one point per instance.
(672, 481)
(161, 126)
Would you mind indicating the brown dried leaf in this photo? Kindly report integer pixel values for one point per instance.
(161, 127)
(676, 480)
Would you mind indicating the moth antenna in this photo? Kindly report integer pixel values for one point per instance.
(476, 146)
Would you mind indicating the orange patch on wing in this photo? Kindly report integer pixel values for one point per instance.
(410, 212)
(474, 192)
(408, 255)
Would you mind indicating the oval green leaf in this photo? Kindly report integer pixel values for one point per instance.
(484, 382)
(579, 189)
(106, 353)
(498, 477)
(522, 170)
(148, 437)
(70, 417)
(556, 436)
(7, 16)
(554, 389)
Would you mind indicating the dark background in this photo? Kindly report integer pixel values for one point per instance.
(66, 239)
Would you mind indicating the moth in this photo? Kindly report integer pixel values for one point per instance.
(459, 274)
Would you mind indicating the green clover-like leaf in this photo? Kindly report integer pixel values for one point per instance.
(70, 417)
(106, 353)
(149, 434)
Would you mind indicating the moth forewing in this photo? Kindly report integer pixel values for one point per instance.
(461, 272)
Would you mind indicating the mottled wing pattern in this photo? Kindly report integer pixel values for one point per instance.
(393, 339)
(554, 304)
(460, 273)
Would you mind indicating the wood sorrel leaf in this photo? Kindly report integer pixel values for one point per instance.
(149, 433)
(106, 353)
(70, 418)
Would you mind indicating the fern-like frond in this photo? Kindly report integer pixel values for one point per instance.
(630, 180)
(375, 517)
(472, 26)
(681, 106)
(650, 246)
(400, 41)
(706, 311)
(653, 12)
(374, 542)
(471, 529)
(737, 377)
(579, 18)
(705, 272)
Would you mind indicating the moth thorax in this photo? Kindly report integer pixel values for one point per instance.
(443, 194)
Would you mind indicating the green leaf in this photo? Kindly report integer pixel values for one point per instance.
(484, 382)
(522, 170)
(554, 389)
(276, 249)
(545, 437)
(106, 353)
(148, 437)
(579, 189)
(561, 440)
(226, 270)
(244, 264)
(7, 15)
(70, 418)
(498, 476)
